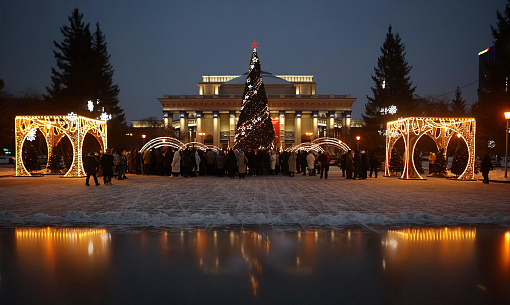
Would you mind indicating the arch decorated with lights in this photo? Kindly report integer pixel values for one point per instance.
(54, 128)
(440, 130)
(316, 145)
(175, 144)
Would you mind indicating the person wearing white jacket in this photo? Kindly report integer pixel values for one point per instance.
(310, 162)
(176, 164)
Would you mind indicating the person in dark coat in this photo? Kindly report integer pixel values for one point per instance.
(107, 166)
(253, 163)
(324, 162)
(348, 165)
(485, 167)
(374, 164)
(91, 168)
(231, 163)
(343, 163)
(364, 165)
(220, 164)
(210, 162)
(357, 165)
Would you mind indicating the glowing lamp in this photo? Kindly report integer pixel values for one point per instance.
(308, 133)
(507, 115)
(358, 138)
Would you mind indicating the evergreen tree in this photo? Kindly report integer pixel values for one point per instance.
(393, 86)
(417, 162)
(440, 166)
(84, 73)
(55, 159)
(396, 162)
(71, 83)
(494, 100)
(459, 163)
(254, 128)
(458, 105)
(106, 92)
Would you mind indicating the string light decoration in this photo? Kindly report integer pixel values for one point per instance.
(440, 130)
(316, 145)
(254, 128)
(54, 128)
(175, 144)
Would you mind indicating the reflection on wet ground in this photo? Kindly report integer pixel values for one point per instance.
(350, 266)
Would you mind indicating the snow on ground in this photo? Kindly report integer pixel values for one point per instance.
(301, 201)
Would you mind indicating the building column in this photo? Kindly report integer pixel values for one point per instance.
(167, 119)
(232, 127)
(216, 130)
(315, 126)
(183, 122)
(297, 135)
(282, 130)
(346, 119)
(330, 124)
(200, 138)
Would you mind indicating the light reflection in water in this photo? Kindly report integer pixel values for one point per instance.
(402, 259)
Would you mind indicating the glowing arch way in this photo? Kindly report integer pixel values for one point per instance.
(175, 143)
(441, 130)
(316, 145)
(54, 128)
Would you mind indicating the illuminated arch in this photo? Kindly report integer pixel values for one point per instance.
(307, 146)
(332, 142)
(163, 141)
(54, 128)
(316, 145)
(175, 144)
(441, 130)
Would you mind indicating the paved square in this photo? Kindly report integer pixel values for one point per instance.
(263, 200)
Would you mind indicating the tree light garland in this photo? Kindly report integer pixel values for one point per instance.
(441, 130)
(54, 128)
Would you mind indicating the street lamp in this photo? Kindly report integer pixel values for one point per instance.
(357, 143)
(143, 137)
(507, 117)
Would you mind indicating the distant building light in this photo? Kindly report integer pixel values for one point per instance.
(484, 51)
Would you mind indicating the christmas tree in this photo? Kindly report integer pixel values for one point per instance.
(396, 162)
(417, 162)
(254, 128)
(440, 167)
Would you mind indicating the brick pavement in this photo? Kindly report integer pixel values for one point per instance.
(258, 200)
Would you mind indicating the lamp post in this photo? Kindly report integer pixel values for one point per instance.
(357, 142)
(143, 137)
(507, 117)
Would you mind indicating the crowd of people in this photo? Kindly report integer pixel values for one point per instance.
(191, 162)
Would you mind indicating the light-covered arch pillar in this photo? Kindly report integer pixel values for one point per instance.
(440, 130)
(54, 128)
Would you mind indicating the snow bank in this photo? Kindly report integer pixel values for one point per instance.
(129, 219)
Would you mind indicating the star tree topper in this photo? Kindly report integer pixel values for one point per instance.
(254, 44)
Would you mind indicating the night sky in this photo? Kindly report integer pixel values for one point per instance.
(164, 47)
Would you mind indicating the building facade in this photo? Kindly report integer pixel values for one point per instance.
(298, 113)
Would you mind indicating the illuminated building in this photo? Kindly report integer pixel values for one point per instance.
(210, 117)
